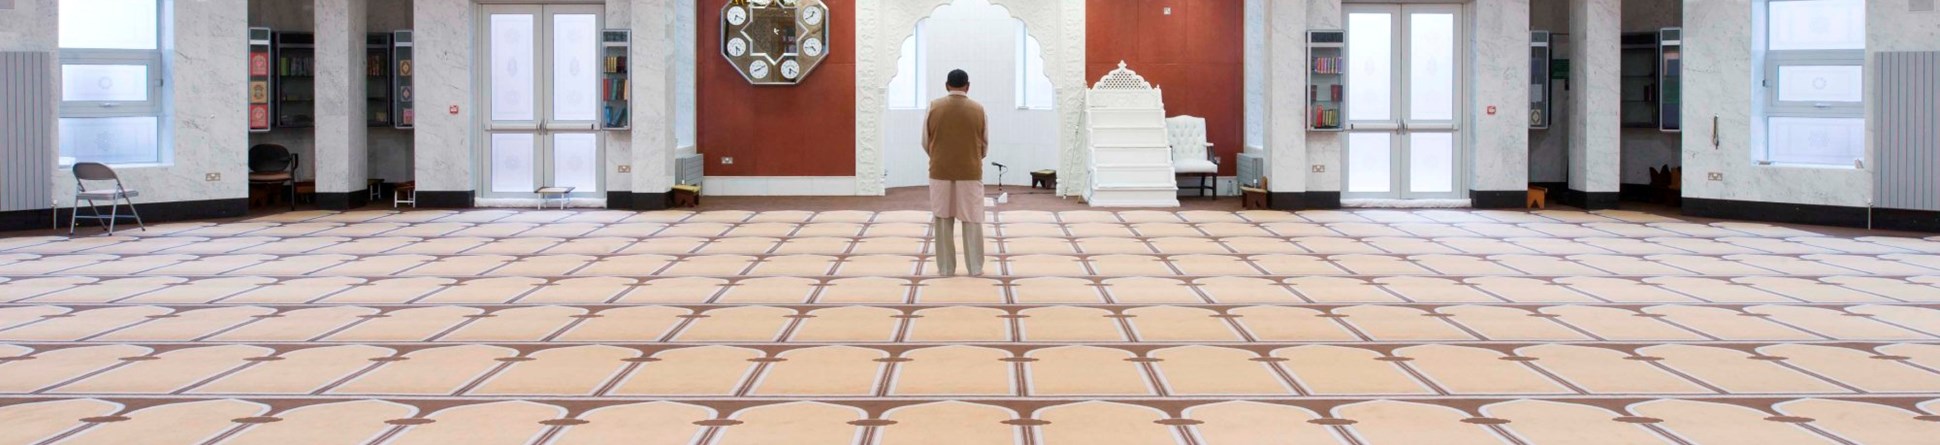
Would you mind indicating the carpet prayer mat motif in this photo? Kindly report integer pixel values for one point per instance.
(1091, 327)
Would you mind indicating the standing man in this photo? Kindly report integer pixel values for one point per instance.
(956, 139)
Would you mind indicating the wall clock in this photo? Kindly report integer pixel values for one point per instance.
(775, 42)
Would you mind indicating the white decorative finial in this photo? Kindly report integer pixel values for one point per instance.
(1121, 64)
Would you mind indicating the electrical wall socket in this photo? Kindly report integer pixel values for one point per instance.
(1320, 168)
(626, 169)
(1714, 176)
(212, 177)
(727, 160)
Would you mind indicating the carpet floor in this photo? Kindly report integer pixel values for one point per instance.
(817, 325)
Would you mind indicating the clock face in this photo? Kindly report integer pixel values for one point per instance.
(812, 47)
(790, 69)
(774, 42)
(758, 69)
(812, 15)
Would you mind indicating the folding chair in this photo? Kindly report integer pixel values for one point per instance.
(91, 171)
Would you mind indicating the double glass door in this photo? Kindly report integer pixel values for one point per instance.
(1404, 68)
(541, 99)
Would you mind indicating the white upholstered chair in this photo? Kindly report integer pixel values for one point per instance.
(1192, 156)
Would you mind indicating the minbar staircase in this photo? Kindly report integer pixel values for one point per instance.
(1131, 159)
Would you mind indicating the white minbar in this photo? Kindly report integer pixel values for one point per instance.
(1131, 158)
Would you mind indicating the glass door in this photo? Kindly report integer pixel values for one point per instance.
(541, 100)
(1403, 102)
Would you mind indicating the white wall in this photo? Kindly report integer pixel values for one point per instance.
(206, 120)
(982, 40)
(1718, 45)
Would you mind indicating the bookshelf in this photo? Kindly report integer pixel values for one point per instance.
(1539, 95)
(294, 80)
(377, 79)
(1326, 95)
(260, 65)
(1638, 108)
(1670, 62)
(616, 93)
(402, 96)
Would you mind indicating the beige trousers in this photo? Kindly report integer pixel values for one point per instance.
(952, 201)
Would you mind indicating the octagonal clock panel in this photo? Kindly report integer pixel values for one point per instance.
(775, 42)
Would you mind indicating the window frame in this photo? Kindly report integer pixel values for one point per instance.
(1024, 72)
(916, 73)
(1769, 105)
(154, 106)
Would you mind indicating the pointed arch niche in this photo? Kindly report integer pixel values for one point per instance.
(883, 25)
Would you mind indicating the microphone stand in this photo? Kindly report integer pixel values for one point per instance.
(1000, 176)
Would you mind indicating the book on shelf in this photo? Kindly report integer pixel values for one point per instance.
(1327, 65)
(615, 64)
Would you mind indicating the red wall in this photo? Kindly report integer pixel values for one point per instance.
(802, 130)
(1196, 54)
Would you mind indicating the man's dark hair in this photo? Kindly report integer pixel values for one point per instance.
(957, 79)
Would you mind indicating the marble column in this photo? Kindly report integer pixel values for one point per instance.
(1595, 158)
(1499, 173)
(442, 30)
(655, 35)
(342, 131)
(1286, 86)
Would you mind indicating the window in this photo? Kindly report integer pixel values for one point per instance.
(111, 78)
(906, 89)
(1811, 82)
(1034, 90)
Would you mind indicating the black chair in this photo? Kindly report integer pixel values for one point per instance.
(92, 171)
(271, 164)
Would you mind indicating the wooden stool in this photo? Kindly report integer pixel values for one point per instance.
(562, 194)
(405, 193)
(1538, 197)
(687, 195)
(1044, 179)
(1253, 197)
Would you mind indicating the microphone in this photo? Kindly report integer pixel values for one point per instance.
(999, 165)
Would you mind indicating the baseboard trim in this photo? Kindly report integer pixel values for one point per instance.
(151, 212)
(780, 185)
(344, 200)
(1498, 199)
(1822, 215)
(459, 199)
(1589, 200)
(1303, 200)
(625, 200)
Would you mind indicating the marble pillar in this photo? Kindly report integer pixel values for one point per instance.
(1595, 158)
(1286, 86)
(1499, 140)
(443, 133)
(655, 34)
(342, 131)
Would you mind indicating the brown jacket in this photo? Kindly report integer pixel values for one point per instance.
(956, 138)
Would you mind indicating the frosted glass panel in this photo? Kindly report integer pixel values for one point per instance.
(1369, 162)
(512, 55)
(1431, 162)
(1431, 67)
(1803, 140)
(119, 83)
(1820, 83)
(512, 160)
(575, 161)
(1370, 71)
(112, 140)
(574, 77)
(108, 24)
(1817, 24)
